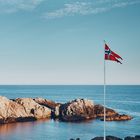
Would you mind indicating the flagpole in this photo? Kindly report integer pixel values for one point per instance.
(115, 57)
(104, 97)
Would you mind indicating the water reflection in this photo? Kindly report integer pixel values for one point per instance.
(6, 129)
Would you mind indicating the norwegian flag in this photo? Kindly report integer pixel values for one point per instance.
(110, 55)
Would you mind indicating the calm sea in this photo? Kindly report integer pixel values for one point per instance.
(125, 99)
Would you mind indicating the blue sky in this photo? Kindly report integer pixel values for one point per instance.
(61, 42)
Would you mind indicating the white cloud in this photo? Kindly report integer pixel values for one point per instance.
(10, 6)
(70, 9)
(123, 4)
(86, 8)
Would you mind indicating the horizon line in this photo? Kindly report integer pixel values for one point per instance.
(69, 84)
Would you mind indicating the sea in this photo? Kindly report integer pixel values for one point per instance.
(124, 98)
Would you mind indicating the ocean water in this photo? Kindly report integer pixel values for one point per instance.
(125, 99)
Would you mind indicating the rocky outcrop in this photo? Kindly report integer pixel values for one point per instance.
(82, 109)
(137, 137)
(28, 109)
(118, 117)
(77, 110)
(75, 139)
(11, 111)
(99, 111)
(107, 138)
(129, 138)
(48, 103)
(34, 109)
(113, 138)
(111, 115)
(21, 109)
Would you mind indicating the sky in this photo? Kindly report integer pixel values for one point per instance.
(60, 42)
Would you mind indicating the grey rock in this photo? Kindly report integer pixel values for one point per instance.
(129, 138)
(137, 137)
(48, 103)
(77, 110)
(34, 109)
(107, 138)
(21, 109)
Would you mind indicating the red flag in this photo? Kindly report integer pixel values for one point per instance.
(110, 55)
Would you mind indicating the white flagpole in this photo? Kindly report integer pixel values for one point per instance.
(104, 97)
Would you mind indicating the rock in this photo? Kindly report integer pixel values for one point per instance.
(99, 111)
(56, 112)
(132, 138)
(111, 115)
(11, 111)
(129, 138)
(21, 109)
(118, 117)
(137, 137)
(107, 138)
(77, 110)
(25, 119)
(98, 138)
(75, 139)
(34, 109)
(28, 109)
(48, 103)
(112, 138)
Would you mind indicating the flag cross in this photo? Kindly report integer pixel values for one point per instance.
(108, 52)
